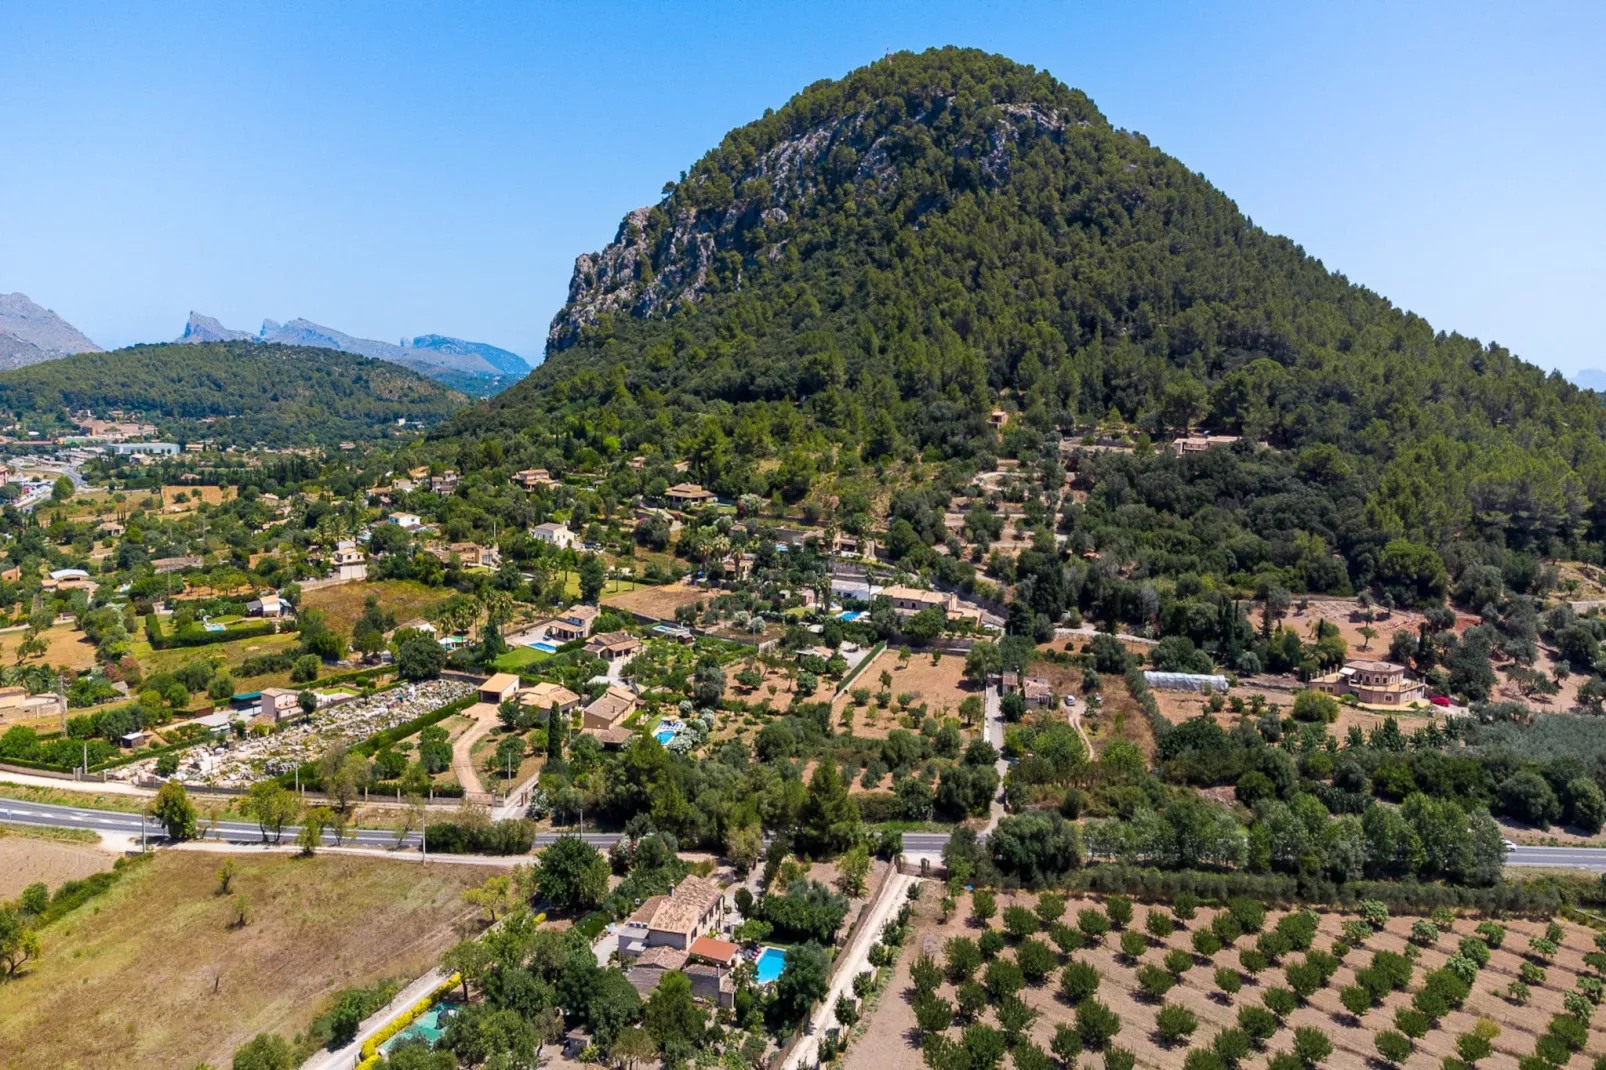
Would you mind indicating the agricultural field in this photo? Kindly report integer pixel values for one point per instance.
(941, 687)
(157, 973)
(66, 647)
(49, 855)
(1180, 998)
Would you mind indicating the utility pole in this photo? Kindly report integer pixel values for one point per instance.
(423, 837)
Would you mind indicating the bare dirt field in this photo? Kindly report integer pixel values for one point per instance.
(209, 495)
(152, 975)
(659, 603)
(25, 859)
(942, 687)
(891, 1037)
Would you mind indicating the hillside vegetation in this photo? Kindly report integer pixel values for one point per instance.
(271, 394)
(877, 265)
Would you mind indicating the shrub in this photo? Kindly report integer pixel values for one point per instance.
(1003, 978)
(1159, 925)
(1570, 1031)
(1119, 1059)
(1096, 1024)
(991, 943)
(1133, 945)
(1493, 933)
(1394, 1047)
(1531, 974)
(1424, 933)
(1357, 999)
(1093, 924)
(1020, 922)
(1050, 908)
(1228, 980)
(1078, 982)
(1541, 950)
(1552, 1050)
(1357, 932)
(1284, 1060)
(1066, 938)
(1252, 961)
(1206, 943)
(1304, 979)
(1231, 1046)
(1119, 908)
(1203, 1059)
(982, 906)
(1311, 1045)
(1274, 945)
(1035, 959)
(1184, 906)
(1412, 1023)
(1376, 912)
(1174, 1023)
(1226, 928)
(1248, 913)
(1259, 1024)
(1280, 1001)
(1153, 981)
(963, 958)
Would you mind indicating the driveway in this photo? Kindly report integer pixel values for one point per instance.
(855, 959)
(484, 714)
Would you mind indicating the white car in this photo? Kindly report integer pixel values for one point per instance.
(1509, 845)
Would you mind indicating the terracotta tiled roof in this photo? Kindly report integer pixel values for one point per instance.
(665, 957)
(688, 902)
(718, 950)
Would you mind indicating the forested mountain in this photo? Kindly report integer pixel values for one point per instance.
(887, 258)
(271, 394)
(30, 334)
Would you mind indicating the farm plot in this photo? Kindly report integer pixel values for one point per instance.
(1156, 986)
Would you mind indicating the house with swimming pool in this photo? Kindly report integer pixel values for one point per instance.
(576, 622)
(676, 920)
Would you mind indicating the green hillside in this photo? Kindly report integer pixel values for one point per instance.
(255, 393)
(889, 257)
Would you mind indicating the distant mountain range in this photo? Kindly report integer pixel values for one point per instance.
(474, 367)
(30, 334)
(1590, 379)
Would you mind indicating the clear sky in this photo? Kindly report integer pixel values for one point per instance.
(392, 169)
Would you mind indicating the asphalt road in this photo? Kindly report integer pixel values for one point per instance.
(915, 843)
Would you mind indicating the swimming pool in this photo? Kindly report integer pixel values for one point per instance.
(664, 735)
(770, 964)
(215, 627)
(852, 614)
(545, 648)
(428, 1027)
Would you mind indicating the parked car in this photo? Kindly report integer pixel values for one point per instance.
(1439, 700)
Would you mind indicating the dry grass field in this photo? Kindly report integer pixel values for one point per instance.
(68, 647)
(152, 975)
(659, 603)
(343, 602)
(942, 687)
(891, 1037)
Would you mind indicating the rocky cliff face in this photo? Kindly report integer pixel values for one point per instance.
(206, 329)
(663, 255)
(30, 334)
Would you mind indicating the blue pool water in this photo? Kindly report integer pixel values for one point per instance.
(428, 1027)
(215, 628)
(770, 964)
(546, 648)
(852, 614)
(663, 736)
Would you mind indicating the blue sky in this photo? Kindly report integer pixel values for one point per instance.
(399, 168)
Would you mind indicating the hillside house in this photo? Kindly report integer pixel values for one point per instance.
(611, 646)
(349, 562)
(686, 495)
(576, 622)
(555, 535)
(543, 696)
(279, 704)
(499, 688)
(1373, 683)
(692, 908)
(267, 605)
(609, 709)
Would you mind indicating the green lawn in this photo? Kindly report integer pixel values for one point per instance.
(519, 657)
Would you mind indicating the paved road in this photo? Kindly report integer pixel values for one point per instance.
(914, 843)
(52, 816)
